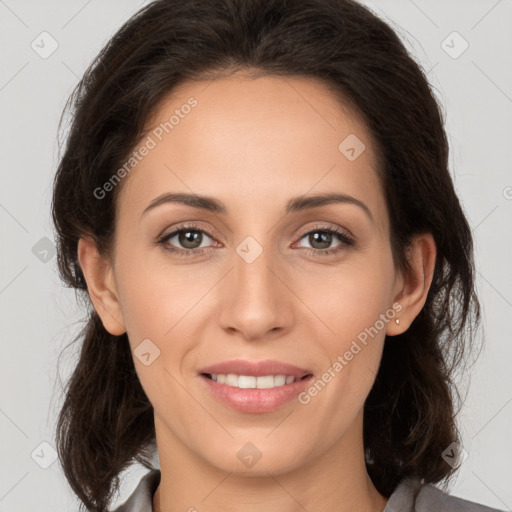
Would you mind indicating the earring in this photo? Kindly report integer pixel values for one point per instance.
(397, 320)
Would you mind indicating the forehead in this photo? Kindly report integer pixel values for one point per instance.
(254, 143)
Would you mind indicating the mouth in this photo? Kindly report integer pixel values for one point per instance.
(252, 386)
(254, 394)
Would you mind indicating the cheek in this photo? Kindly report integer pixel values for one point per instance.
(154, 295)
(352, 310)
(164, 304)
(356, 312)
(348, 299)
(159, 305)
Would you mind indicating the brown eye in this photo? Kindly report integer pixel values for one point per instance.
(186, 241)
(321, 239)
(190, 239)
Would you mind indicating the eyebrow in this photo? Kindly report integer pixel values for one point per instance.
(294, 204)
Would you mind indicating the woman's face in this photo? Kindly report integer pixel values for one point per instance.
(258, 280)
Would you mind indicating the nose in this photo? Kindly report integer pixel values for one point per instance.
(257, 301)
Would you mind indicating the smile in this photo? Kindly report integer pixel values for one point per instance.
(252, 382)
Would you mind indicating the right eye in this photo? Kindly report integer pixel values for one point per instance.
(188, 237)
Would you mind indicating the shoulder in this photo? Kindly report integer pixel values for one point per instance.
(413, 496)
(141, 500)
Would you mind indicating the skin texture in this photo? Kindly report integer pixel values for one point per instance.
(254, 144)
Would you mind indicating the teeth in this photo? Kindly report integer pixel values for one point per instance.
(251, 382)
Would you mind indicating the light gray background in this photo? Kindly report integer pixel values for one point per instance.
(39, 317)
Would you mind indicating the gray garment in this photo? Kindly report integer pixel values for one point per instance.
(409, 496)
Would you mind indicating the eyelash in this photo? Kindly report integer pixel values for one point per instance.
(347, 241)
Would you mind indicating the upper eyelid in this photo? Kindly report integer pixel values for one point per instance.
(176, 230)
(325, 227)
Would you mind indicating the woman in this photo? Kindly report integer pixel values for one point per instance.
(210, 141)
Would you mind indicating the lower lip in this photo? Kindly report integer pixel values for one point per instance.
(255, 400)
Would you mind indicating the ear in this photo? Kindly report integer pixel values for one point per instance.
(415, 284)
(101, 285)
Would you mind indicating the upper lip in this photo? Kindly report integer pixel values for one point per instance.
(255, 368)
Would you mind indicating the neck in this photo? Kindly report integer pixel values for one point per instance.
(374, 502)
(336, 480)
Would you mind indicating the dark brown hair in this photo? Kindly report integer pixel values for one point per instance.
(106, 421)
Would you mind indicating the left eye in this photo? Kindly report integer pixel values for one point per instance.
(322, 237)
